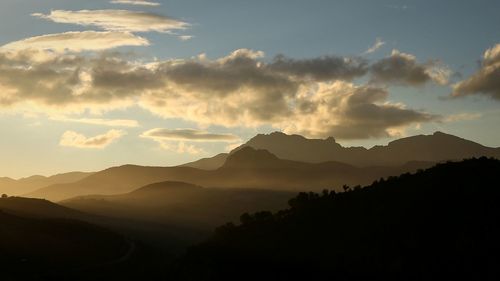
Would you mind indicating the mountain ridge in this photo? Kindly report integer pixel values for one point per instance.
(28, 184)
(247, 168)
(255, 167)
(436, 147)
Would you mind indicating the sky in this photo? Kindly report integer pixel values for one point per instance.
(85, 85)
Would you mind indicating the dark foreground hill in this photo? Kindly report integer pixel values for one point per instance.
(438, 224)
(38, 208)
(47, 249)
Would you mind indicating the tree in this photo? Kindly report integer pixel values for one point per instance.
(5, 195)
(246, 218)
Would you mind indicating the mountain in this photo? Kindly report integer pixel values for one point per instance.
(40, 240)
(437, 224)
(435, 148)
(291, 162)
(250, 158)
(25, 185)
(117, 180)
(181, 203)
(8, 185)
(37, 208)
(43, 249)
(210, 163)
(246, 168)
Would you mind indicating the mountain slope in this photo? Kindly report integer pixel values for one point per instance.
(438, 224)
(116, 180)
(43, 249)
(210, 163)
(18, 187)
(437, 147)
(181, 204)
(246, 168)
(37, 208)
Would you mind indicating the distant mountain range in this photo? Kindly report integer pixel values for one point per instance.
(245, 168)
(281, 162)
(138, 228)
(21, 186)
(437, 147)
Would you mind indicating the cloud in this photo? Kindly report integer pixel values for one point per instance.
(462, 117)
(185, 37)
(320, 69)
(70, 83)
(347, 111)
(74, 139)
(116, 20)
(240, 89)
(402, 68)
(181, 140)
(235, 89)
(377, 45)
(188, 135)
(77, 41)
(136, 2)
(98, 121)
(486, 80)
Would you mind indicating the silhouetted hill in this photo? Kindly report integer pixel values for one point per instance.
(24, 185)
(181, 204)
(44, 249)
(147, 247)
(246, 168)
(37, 208)
(438, 224)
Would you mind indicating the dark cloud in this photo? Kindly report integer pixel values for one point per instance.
(486, 81)
(188, 135)
(311, 97)
(325, 68)
(401, 68)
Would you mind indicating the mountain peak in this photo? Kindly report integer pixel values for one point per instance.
(435, 147)
(249, 157)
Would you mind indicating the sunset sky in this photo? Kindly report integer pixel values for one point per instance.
(85, 85)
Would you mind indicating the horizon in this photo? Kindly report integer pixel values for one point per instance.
(95, 84)
(266, 134)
